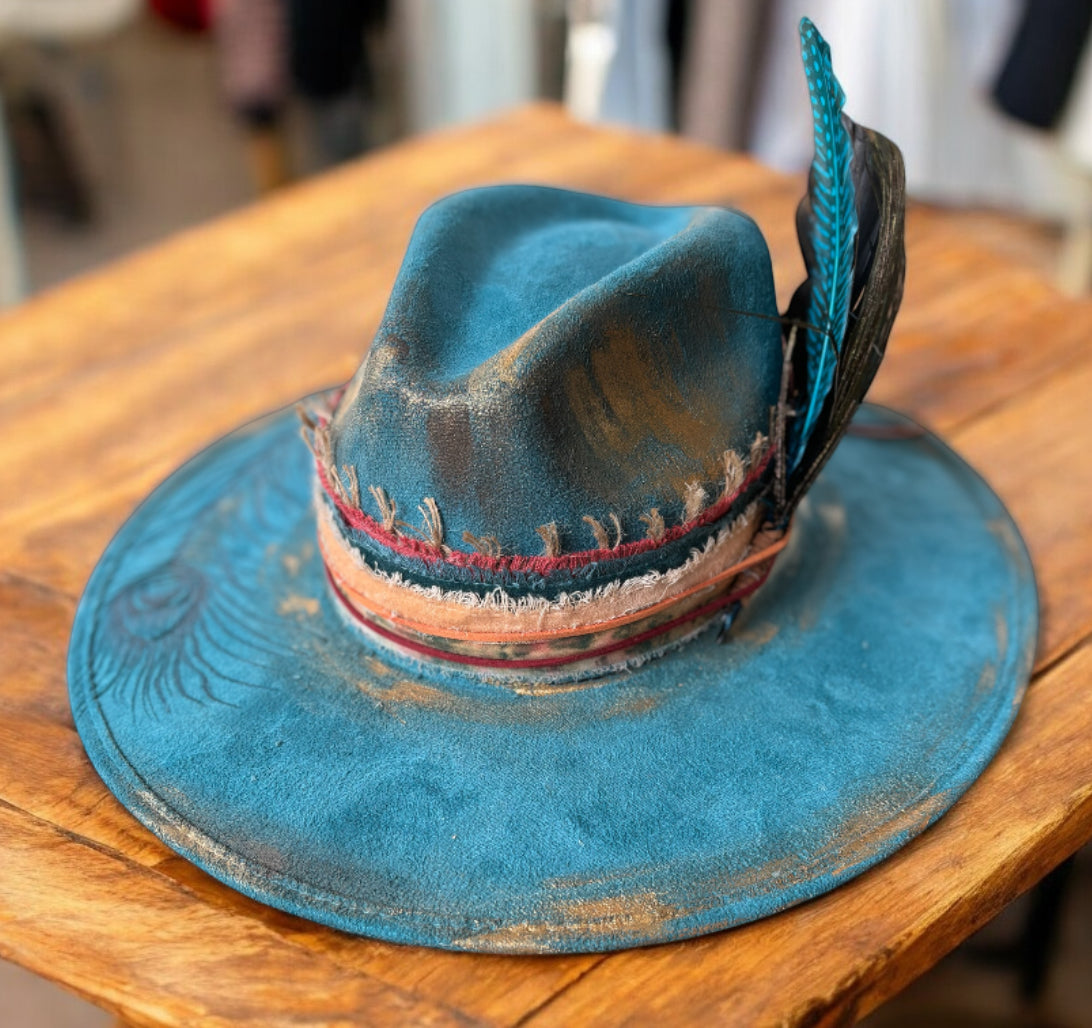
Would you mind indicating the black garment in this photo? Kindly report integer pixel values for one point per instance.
(1038, 73)
(678, 20)
(326, 40)
(328, 62)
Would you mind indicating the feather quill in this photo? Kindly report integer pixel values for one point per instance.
(831, 232)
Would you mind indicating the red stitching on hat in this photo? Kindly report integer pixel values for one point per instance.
(410, 547)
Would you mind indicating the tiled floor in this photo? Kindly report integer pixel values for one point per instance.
(148, 186)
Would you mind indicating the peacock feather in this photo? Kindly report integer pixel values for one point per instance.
(829, 238)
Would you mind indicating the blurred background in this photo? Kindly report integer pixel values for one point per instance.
(125, 121)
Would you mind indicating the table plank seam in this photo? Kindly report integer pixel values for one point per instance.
(82, 840)
(530, 1015)
(19, 580)
(1068, 652)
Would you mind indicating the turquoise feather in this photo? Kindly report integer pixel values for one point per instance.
(832, 230)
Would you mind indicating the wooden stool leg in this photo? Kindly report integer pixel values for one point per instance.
(1040, 941)
(1075, 262)
(268, 154)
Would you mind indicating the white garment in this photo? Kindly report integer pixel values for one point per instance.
(589, 50)
(638, 86)
(1075, 129)
(617, 64)
(466, 59)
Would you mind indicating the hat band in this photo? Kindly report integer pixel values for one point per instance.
(591, 635)
(623, 652)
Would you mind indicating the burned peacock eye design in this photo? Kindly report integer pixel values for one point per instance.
(161, 604)
(176, 636)
(186, 630)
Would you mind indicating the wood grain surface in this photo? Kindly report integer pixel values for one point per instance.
(110, 382)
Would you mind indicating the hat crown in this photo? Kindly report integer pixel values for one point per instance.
(548, 356)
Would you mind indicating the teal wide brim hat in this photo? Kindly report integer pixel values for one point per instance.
(594, 611)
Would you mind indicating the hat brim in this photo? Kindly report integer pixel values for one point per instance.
(223, 700)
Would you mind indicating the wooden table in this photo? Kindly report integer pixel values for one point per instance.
(109, 383)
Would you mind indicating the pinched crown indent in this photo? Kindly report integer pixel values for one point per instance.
(548, 356)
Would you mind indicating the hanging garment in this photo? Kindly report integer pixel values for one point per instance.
(465, 59)
(1037, 75)
(251, 38)
(329, 67)
(721, 62)
(327, 45)
(638, 83)
(188, 15)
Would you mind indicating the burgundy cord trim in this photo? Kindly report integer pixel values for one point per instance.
(546, 662)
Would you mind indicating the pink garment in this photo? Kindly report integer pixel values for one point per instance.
(252, 38)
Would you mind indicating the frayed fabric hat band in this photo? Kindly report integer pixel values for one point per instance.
(582, 635)
(598, 658)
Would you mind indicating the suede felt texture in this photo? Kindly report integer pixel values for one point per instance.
(225, 703)
(549, 355)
